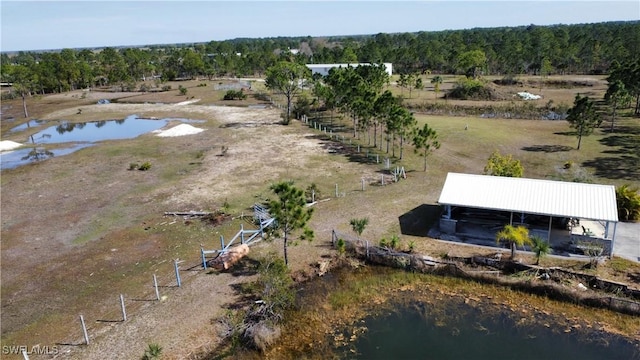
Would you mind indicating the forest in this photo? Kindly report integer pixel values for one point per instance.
(558, 49)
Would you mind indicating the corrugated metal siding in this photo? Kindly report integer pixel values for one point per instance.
(546, 197)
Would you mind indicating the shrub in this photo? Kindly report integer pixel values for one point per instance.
(628, 200)
(506, 165)
(144, 166)
(166, 88)
(234, 95)
(202, 84)
(153, 351)
(183, 90)
(302, 106)
(133, 166)
(471, 89)
(394, 242)
(412, 245)
(312, 193)
(341, 246)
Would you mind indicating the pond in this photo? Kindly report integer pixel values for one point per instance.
(81, 135)
(93, 131)
(462, 331)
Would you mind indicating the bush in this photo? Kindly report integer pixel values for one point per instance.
(234, 95)
(628, 200)
(144, 166)
(153, 352)
(341, 246)
(166, 88)
(499, 165)
(312, 193)
(394, 242)
(183, 90)
(133, 166)
(302, 106)
(471, 89)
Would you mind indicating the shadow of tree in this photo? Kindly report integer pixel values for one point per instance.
(566, 133)
(625, 143)
(622, 168)
(547, 148)
(419, 220)
(627, 130)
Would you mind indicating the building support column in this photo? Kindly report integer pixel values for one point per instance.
(613, 239)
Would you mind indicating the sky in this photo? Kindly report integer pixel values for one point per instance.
(43, 25)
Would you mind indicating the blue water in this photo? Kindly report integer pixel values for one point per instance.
(13, 159)
(94, 131)
(28, 124)
(80, 135)
(420, 331)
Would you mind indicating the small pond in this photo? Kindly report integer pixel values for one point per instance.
(13, 159)
(93, 131)
(460, 331)
(81, 135)
(27, 125)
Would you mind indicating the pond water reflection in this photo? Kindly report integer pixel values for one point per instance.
(81, 135)
(13, 159)
(93, 131)
(460, 331)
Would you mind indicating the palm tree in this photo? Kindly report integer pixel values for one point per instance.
(515, 236)
(539, 247)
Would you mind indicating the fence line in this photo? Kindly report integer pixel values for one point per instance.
(248, 237)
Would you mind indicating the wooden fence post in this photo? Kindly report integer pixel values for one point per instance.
(362, 184)
(175, 264)
(124, 311)
(204, 261)
(155, 285)
(84, 330)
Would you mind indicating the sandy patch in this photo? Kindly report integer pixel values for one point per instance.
(180, 130)
(186, 102)
(6, 145)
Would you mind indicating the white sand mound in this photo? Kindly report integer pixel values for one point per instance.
(8, 145)
(180, 130)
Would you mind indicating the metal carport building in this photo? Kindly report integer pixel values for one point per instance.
(532, 196)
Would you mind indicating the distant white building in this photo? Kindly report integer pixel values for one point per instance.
(323, 69)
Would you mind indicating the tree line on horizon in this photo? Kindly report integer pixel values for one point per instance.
(557, 49)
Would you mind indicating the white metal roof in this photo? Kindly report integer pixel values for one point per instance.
(532, 196)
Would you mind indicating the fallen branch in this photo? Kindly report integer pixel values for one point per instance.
(187, 213)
